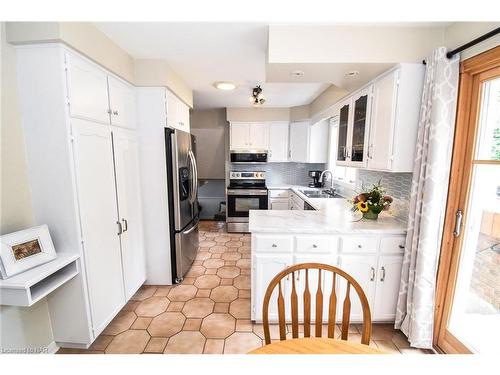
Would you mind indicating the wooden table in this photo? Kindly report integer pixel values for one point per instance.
(315, 345)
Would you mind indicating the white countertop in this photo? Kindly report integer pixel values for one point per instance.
(332, 216)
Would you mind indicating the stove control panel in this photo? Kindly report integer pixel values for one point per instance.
(233, 175)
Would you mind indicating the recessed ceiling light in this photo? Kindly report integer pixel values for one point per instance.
(352, 73)
(227, 86)
(297, 73)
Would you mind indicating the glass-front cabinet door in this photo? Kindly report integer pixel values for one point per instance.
(359, 131)
(344, 118)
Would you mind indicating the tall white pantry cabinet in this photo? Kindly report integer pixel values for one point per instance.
(82, 155)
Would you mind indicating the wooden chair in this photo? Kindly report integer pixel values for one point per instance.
(332, 308)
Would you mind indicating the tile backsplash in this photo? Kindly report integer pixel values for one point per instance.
(397, 185)
(282, 173)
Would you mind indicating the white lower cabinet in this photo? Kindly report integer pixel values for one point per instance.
(126, 156)
(388, 282)
(362, 269)
(326, 282)
(264, 268)
(94, 162)
(377, 272)
(279, 204)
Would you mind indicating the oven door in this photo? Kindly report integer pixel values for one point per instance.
(241, 201)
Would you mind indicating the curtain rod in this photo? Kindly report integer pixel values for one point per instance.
(471, 43)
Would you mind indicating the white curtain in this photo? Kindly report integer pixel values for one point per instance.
(415, 311)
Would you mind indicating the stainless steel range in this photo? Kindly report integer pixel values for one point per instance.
(246, 191)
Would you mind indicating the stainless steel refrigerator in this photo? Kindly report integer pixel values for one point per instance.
(182, 180)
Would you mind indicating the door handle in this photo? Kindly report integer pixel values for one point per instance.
(458, 223)
(125, 225)
(192, 229)
(383, 274)
(120, 228)
(372, 270)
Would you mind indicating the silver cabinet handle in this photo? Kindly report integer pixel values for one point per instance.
(372, 270)
(383, 274)
(315, 246)
(274, 245)
(125, 225)
(115, 113)
(360, 246)
(120, 228)
(458, 223)
(401, 246)
(368, 151)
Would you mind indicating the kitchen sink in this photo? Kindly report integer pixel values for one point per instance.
(319, 194)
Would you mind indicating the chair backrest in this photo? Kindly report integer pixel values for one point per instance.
(332, 308)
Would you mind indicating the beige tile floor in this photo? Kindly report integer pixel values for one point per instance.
(209, 312)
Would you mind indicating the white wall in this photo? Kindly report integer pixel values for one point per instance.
(307, 43)
(258, 114)
(19, 327)
(211, 129)
(91, 42)
(460, 33)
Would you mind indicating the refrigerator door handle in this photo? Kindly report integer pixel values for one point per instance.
(194, 186)
(192, 228)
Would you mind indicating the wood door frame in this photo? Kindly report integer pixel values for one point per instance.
(473, 71)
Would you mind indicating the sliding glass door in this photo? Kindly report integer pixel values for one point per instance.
(468, 309)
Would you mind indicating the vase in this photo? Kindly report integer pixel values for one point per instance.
(370, 215)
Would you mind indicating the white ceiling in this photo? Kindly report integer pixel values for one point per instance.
(202, 53)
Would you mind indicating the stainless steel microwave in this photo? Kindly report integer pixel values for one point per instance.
(248, 156)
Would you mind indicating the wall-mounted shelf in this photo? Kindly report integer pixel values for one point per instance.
(29, 287)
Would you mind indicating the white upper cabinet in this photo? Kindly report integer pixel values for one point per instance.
(309, 143)
(87, 90)
(318, 142)
(358, 131)
(278, 142)
(239, 136)
(394, 119)
(353, 128)
(249, 136)
(258, 136)
(299, 141)
(377, 125)
(122, 103)
(177, 113)
(383, 114)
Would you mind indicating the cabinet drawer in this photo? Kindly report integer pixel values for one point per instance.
(278, 193)
(392, 244)
(317, 244)
(360, 244)
(273, 243)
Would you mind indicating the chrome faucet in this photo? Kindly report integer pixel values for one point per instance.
(332, 189)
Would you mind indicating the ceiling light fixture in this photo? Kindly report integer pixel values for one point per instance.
(257, 98)
(352, 73)
(226, 86)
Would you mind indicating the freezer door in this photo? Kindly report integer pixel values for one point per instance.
(186, 248)
(184, 181)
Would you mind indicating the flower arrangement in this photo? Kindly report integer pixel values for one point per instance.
(371, 202)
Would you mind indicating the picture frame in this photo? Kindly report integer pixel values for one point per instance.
(25, 249)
